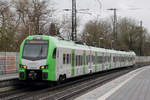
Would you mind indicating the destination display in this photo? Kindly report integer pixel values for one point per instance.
(37, 41)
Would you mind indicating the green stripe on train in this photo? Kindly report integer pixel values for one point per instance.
(73, 58)
(84, 62)
(51, 62)
(103, 61)
(20, 58)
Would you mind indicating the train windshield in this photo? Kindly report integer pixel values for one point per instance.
(35, 50)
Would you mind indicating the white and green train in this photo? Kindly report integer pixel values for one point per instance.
(53, 59)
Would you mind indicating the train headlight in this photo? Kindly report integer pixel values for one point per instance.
(44, 67)
(23, 66)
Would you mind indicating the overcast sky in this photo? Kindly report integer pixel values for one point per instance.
(136, 9)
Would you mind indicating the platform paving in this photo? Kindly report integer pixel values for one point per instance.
(132, 86)
(8, 76)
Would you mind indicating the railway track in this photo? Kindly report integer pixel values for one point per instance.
(68, 90)
(76, 90)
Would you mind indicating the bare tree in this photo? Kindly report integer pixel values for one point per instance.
(35, 14)
(8, 27)
(54, 29)
(131, 36)
(96, 33)
(66, 26)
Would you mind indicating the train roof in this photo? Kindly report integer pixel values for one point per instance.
(60, 43)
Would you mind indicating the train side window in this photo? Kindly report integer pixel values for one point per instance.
(76, 60)
(104, 59)
(114, 59)
(86, 60)
(97, 59)
(70, 59)
(67, 58)
(89, 59)
(79, 60)
(54, 53)
(101, 59)
(64, 58)
(93, 59)
(109, 59)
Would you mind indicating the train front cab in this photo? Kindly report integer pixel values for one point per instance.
(36, 61)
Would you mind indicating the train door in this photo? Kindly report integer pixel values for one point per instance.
(95, 61)
(103, 61)
(121, 62)
(107, 60)
(110, 61)
(98, 61)
(60, 62)
(117, 61)
(73, 62)
(68, 63)
(114, 60)
(90, 62)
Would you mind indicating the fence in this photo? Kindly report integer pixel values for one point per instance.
(9, 62)
(141, 59)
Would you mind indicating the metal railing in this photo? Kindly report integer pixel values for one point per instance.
(8, 62)
(142, 59)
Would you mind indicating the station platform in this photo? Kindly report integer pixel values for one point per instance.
(8, 76)
(134, 85)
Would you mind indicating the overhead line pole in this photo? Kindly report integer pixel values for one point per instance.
(74, 19)
(141, 40)
(74, 23)
(114, 25)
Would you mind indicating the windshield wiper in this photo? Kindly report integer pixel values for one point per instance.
(40, 53)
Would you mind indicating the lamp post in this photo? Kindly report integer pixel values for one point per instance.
(112, 44)
(100, 41)
(94, 44)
